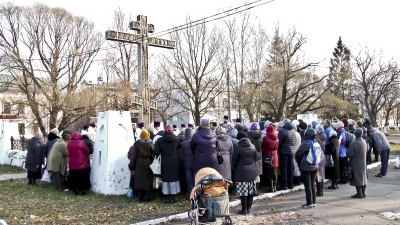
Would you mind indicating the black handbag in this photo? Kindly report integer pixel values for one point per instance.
(267, 161)
(329, 161)
(348, 172)
(219, 156)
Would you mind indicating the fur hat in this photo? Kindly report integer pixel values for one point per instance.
(241, 135)
(303, 125)
(270, 129)
(205, 122)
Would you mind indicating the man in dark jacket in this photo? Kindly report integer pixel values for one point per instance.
(188, 160)
(287, 141)
(89, 144)
(308, 171)
(34, 158)
(302, 128)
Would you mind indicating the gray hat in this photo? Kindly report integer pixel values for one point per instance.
(358, 132)
(205, 122)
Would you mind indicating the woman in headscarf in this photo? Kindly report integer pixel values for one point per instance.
(357, 152)
(166, 146)
(269, 148)
(79, 170)
(142, 156)
(255, 137)
(34, 158)
(225, 147)
(244, 164)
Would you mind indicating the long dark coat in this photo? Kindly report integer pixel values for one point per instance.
(166, 146)
(142, 157)
(357, 152)
(333, 173)
(226, 148)
(244, 161)
(203, 145)
(256, 139)
(34, 157)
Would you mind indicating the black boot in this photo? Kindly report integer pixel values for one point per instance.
(81, 192)
(333, 185)
(172, 198)
(249, 203)
(243, 201)
(363, 191)
(167, 199)
(30, 182)
(147, 196)
(274, 186)
(320, 187)
(270, 186)
(358, 195)
(34, 182)
(140, 195)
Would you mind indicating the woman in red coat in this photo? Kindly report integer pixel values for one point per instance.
(269, 148)
(79, 170)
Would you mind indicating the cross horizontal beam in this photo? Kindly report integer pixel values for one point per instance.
(137, 39)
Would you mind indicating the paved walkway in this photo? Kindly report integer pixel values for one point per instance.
(12, 176)
(335, 207)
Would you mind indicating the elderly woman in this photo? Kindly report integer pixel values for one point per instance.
(308, 171)
(166, 146)
(57, 162)
(204, 147)
(321, 138)
(255, 137)
(332, 148)
(142, 156)
(270, 145)
(244, 164)
(225, 147)
(357, 152)
(79, 170)
(34, 158)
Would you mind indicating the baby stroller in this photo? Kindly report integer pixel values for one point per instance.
(209, 198)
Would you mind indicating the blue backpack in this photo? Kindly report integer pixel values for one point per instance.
(315, 155)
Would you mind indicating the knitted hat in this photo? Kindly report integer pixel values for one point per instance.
(220, 130)
(319, 128)
(270, 129)
(254, 126)
(141, 125)
(239, 127)
(241, 135)
(310, 134)
(55, 130)
(168, 129)
(144, 135)
(205, 122)
(303, 125)
(358, 132)
(296, 122)
(229, 126)
(314, 124)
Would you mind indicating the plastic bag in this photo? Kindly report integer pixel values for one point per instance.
(397, 163)
(46, 176)
(155, 166)
(129, 194)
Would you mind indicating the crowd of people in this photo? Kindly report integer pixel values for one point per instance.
(66, 159)
(256, 154)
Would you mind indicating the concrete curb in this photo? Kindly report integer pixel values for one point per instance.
(237, 202)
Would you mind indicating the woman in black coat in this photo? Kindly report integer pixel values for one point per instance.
(166, 146)
(333, 173)
(34, 158)
(244, 164)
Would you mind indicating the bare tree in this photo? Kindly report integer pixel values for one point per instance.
(293, 85)
(375, 78)
(47, 51)
(194, 67)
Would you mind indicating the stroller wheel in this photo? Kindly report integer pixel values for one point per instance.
(227, 220)
(194, 220)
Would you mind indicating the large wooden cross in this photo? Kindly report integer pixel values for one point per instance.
(143, 41)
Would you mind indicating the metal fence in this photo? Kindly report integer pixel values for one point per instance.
(19, 144)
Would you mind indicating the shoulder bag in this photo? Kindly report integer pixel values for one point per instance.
(219, 156)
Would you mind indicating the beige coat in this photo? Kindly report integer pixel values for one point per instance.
(57, 161)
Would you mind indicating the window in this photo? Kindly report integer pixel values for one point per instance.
(21, 128)
(21, 109)
(6, 108)
(35, 128)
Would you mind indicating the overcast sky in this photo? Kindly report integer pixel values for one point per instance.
(360, 22)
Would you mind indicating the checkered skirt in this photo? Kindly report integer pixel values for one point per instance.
(246, 188)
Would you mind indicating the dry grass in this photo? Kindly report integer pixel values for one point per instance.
(7, 169)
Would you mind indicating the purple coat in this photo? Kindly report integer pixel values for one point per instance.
(203, 145)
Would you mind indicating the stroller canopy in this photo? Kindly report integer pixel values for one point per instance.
(208, 173)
